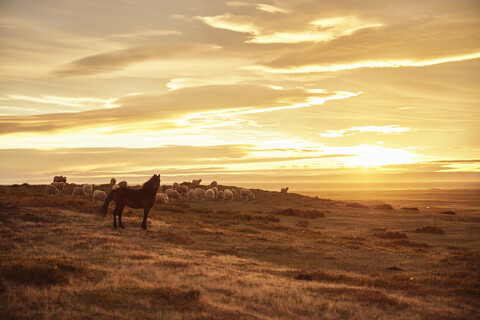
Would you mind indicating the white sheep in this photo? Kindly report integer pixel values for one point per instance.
(228, 194)
(182, 189)
(162, 198)
(50, 190)
(210, 194)
(213, 184)
(115, 187)
(196, 182)
(234, 193)
(244, 193)
(215, 189)
(199, 193)
(191, 195)
(87, 188)
(172, 194)
(78, 191)
(99, 195)
(59, 185)
(284, 190)
(113, 181)
(220, 196)
(250, 198)
(123, 184)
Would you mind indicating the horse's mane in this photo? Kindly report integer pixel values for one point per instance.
(149, 183)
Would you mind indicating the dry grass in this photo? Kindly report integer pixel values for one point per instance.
(235, 260)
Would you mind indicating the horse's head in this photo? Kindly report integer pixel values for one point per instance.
(156, 181)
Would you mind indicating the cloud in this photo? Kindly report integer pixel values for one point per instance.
(391, 129)
(118, 59)
(173, 109)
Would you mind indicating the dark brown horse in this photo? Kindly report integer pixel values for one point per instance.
(144, 198)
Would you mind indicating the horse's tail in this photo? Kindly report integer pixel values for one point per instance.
(104, 208)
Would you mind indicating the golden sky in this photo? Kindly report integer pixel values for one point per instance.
(188, 88)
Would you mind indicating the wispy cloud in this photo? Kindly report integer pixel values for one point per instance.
(390, 129)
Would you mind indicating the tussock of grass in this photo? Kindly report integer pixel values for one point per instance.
(449, 212)
(302, 213)
(391, 235)
(410, 208)
(430, 229)
(38, 272)
(383, 207)
(356, 205)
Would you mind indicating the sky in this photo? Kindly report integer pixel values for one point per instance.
(239, 90)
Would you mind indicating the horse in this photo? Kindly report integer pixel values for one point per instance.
(144, 198)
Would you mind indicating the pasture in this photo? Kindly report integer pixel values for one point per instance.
(287, 256)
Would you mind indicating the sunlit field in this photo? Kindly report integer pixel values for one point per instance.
(287, 256)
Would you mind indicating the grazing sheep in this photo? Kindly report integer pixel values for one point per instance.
(115, 187)
(220, 196)
(215, 189)
(250, 198)
(244, 193)
(87, 188)
(175, 186)
(234, 193)
(172, 194)
(284, 190)
(213, 184)
(228, 194)
(210, 194)
(113, 181)
(99, 195)
(182, 189)
(191, 195)
(123, 184)
(50, 190)
(58, 185)
(78, 191)
(60, 179)
(196, 182)
(162, 198)
(199, 193)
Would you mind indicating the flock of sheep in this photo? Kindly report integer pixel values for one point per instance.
(85, 190)
(194, 192)
(167, 193)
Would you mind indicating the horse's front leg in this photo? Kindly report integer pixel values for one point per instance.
(146, 210)
(120, 211)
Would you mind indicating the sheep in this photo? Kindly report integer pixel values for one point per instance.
(215, 189)
(162, 198)
(87, 188)
(78, 191)
(220, 196)
(196, 182)
(250, 198)
(175, 186)
(228, 194)
(60, 179)
(99, 195)
(199, 193)
(50, 190)
(234, 193)
(213, 184)
(115, 187)
(191, 195)
(284, 190)
(210, 194)
(59, 185)
(182, 189)
(123, 184)
(113, 181)
(244, 193)
(172, 194)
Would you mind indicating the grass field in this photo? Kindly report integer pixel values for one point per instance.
(287, 256)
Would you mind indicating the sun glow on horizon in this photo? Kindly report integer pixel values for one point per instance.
(373, 156)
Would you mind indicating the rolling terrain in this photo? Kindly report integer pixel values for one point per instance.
(288, 256)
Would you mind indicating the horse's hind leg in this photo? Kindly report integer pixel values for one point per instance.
(145, 215)
(115, 217)
(120, 211)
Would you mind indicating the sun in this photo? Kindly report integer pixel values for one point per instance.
(371, 156)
